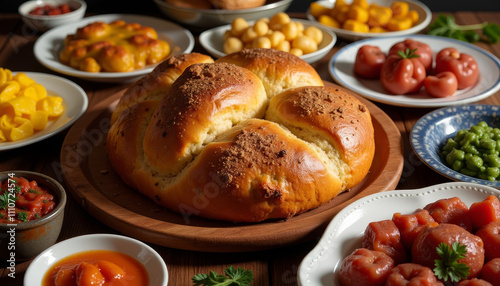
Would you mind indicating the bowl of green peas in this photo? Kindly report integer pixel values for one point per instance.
(461, 142)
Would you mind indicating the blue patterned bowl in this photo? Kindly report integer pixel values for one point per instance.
(431, 132)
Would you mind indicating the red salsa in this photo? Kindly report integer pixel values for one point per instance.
(22, 200)
(48, 10)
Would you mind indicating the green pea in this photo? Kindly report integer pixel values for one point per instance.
(474, 152)
(493, 171)
(468, 172)
(492, 160)
(457, 165)
(488, 144)
(471, 149)
(474, 163)
(482, 124)
(477, 130)
(455, 155)
(450, 145)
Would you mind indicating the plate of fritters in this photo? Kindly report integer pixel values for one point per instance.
(48, 48)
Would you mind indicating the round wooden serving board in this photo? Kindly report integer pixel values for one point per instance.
(97, 188)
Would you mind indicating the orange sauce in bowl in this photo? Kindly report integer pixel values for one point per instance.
(97, 267)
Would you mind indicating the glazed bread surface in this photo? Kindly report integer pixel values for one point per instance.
(223, 142)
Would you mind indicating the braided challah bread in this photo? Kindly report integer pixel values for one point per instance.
(252, 136)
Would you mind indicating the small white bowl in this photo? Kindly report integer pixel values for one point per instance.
(43, 23)
(152, 261)
(211, 40)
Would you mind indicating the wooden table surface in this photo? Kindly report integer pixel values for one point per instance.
(270, 267)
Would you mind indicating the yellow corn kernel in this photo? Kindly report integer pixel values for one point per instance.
(39, 119)
(399, 24)
(341, 14)
(296, 52)
(22, 105)
(41, 92)
(283, 46)
(355, 26)
(9, 90)
(379, 16)
(276, 37)
(378, 30)
(290, 30)
(317, 10)
(238, 26)
(305, 43)
(362, 3)
(315, 33)
(23, 129)
(278, 20)
(413, 15)
(23, 79)
(3, 138)
(52, 104)
(329, 21)
(6, 123)
(358, 13)
(339, 4)
(5, 75)
(400, 9)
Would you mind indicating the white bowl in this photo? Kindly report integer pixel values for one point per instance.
(212, 41)
(208, 18)
(424, 18)
(44, 23)
(152, 261)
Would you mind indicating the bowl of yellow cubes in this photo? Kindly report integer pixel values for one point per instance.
(360, 19)
(35, 106)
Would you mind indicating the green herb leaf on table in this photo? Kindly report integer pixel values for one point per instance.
(448, 267)
(233, 277)
(445, 26)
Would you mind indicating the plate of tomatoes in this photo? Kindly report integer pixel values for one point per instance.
(417, 71)
(413, 213)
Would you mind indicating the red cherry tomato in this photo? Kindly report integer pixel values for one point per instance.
(491, 271)
(464, 66)
(441, 85)
(365, 267)
(421, 49)
(369, 61)
(402, 73)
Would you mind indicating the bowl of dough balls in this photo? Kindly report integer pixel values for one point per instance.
(205, 14)
(303, 38)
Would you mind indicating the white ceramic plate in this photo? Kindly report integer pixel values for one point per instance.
(424, 15)
(212, 41)
(341, 68)
(344, 233)
(152, 261)
(75, 104)
(50, 44)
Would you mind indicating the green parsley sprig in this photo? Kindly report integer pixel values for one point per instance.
(445, 26)
(233, 277)
(448, 267)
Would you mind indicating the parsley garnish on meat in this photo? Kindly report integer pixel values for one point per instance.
(448, 267)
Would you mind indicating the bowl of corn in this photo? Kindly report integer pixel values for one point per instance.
(359, 19)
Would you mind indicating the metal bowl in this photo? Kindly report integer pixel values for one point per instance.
(203, 19)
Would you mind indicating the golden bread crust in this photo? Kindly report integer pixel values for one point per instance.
(216, 145)
(277, 70)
